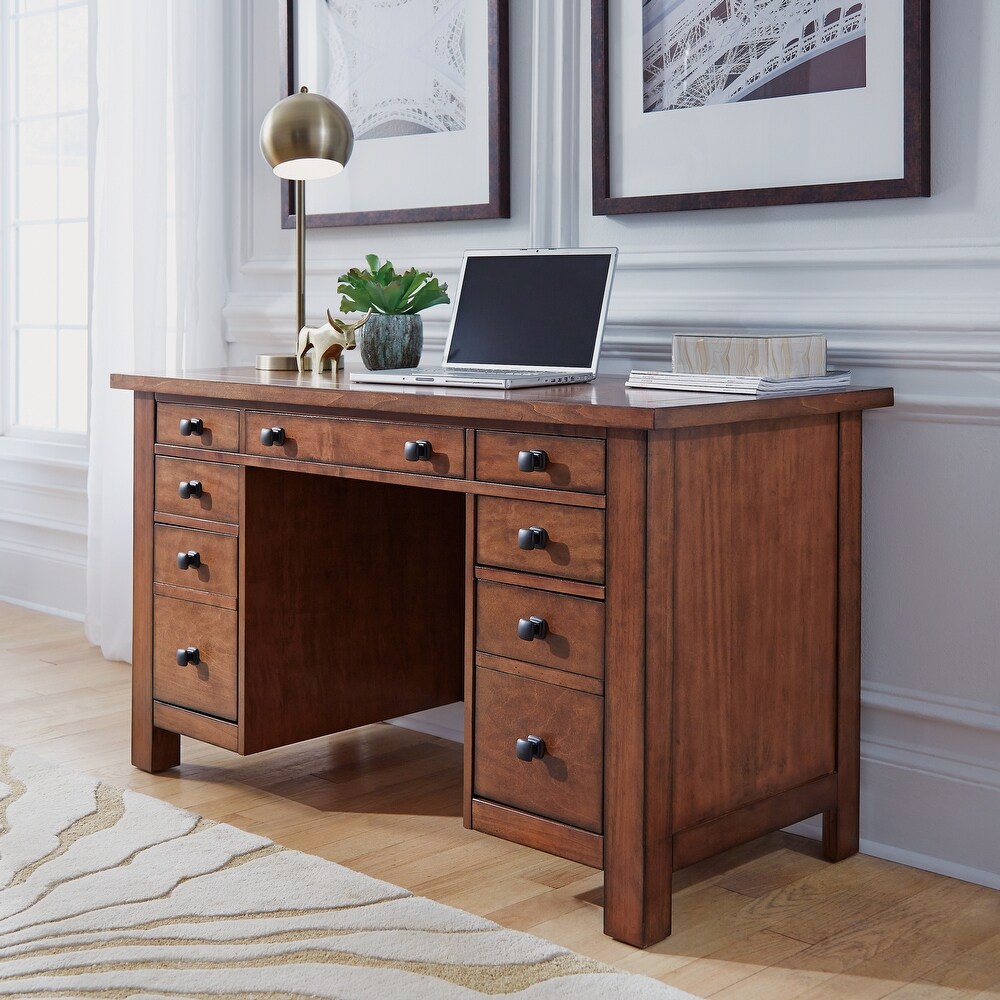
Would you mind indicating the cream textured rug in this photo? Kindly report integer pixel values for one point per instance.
(108, 893)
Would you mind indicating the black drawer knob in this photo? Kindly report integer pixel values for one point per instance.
(417, 451)
(190, 489)
(532, 538)
(533, 748)
(270, 436)
(532, 628)
(188, 655)
(192, 425)
(188, 560)
(532, 461)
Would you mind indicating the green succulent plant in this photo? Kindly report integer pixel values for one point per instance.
(382, 290)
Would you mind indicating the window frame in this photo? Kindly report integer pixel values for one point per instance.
(16, 440)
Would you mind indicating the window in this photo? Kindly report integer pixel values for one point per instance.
(45, 142)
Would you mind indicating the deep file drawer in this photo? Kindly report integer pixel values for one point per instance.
(509, 620)
(566, 783)
(565, 541)
(206, 682)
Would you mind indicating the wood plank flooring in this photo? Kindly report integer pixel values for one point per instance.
(767, 921)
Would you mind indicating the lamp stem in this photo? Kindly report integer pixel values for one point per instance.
(300, 253)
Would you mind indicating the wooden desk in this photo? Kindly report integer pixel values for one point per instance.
(683, 633)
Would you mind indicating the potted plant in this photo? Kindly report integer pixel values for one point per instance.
(393, 337)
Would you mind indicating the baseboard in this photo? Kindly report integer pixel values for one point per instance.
(55, 583)
(448, 722)
(813, 830)
(930, 809)
(75, 616)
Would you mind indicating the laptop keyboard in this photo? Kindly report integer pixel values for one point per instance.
(500, 373)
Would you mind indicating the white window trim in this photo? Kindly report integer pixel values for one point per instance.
(17, 443)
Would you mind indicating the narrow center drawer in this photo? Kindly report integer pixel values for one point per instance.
(566, 783)
(192, 425)
(421, 449)
(545, 461)
(206, 490)
(569, 542)
(198, 560)
(209, 633)
(509, 620)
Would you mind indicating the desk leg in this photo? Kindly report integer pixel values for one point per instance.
(470, 640)
(153, 749)
(841, 825)
(638, 681)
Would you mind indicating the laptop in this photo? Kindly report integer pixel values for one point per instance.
(521, 318)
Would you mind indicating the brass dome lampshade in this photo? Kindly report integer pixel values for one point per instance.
(303, 137)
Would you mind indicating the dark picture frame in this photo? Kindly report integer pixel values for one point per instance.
(915, 155)
(497, 203)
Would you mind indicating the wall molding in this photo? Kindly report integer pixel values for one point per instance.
(940, 409)
(922, 316)
(553, 219)
(54, 526)
(928, 763)
(813, 830)
(960, 254)
(849, 261)
(945, 737)
(934, 707)
(43, 576)
(76, 616)
(43, 525)
(902, 334)
(446, 722)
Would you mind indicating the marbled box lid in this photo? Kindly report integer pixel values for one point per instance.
(775, 355)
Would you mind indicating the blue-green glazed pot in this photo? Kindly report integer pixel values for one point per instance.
(391, 341)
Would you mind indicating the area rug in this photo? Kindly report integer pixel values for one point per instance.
(109, 893)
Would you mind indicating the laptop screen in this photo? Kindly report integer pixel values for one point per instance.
(531, 309)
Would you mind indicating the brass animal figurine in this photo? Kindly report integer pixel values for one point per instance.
(327, 342)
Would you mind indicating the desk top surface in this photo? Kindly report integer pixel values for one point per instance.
(605, 402)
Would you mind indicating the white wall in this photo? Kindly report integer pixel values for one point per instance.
(908, 293)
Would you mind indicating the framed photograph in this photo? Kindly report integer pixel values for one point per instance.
(728, 103)
(425, 86)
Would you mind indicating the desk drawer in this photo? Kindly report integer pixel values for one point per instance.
(212, 568)
(566, 783)
(213, 489)
(569, 463)
(574, 627)
(572, 546)
(367, 444)
(191, 425)
(208, 685)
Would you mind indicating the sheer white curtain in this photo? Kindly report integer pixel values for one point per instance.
(159, 263)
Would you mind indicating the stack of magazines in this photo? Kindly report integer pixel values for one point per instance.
(749, 385)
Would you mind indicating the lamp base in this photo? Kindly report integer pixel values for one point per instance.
(288, 363)
(276, 363)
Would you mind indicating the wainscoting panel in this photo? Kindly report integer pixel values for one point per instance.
(43, 527)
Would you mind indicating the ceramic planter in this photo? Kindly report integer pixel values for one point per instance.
(391, 341)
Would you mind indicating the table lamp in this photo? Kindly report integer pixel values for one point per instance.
(303, 137)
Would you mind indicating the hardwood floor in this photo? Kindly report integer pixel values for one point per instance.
(769, 921)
